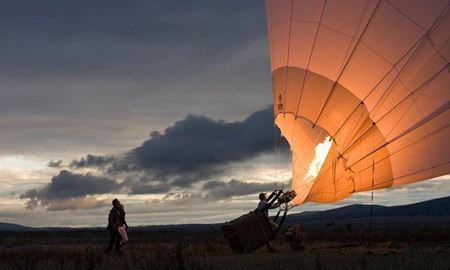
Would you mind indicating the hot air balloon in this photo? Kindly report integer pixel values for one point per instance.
(361, 92)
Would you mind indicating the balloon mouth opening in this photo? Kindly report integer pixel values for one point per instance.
(320, 154)
(310, 146)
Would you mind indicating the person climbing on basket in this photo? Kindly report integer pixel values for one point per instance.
(264, 207)
(263, 203)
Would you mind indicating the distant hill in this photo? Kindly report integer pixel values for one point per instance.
(432, 208)
(20, 228)
(13, 227)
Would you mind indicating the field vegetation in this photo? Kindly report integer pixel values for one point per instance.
(326, 247)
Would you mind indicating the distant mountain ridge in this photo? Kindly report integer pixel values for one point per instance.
(13, 227)
(435, 208)
(432, 208)
(20, 228)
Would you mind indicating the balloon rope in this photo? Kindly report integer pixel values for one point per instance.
(276, 151)
(371, 201)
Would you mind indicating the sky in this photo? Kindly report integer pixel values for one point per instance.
(165, 105)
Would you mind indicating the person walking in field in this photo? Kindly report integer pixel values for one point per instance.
(116, 223)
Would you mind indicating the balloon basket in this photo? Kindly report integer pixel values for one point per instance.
(248, 232)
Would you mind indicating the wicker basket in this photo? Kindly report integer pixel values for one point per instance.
(248, 232)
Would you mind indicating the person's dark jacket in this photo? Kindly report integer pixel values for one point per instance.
(114, 219)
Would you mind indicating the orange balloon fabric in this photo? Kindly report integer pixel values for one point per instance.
(361, 92)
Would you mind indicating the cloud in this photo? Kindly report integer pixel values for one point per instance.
(67, 187)
(77, 203)
(144, 26)
(216, 190)
(82, 56)
(92, 161)
(224, 190)
(198, 147)
(192, 150)
(150, 188)
(183, 198)
(54, 163)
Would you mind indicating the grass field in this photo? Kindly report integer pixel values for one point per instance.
(156, 248)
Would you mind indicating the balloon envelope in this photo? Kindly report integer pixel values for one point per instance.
(361, 92)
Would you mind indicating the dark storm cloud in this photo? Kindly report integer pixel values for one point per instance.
(141, 183)
(150, 188)
(191, 150)
(224, 190)
(92, 161)
(66, 186)
(83, 35)
(54, 163)
(197, 147)
(109, 68)
(217, 190)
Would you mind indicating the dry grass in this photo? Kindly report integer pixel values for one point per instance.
(330, 249)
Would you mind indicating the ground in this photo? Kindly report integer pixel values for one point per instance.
(325, 247)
